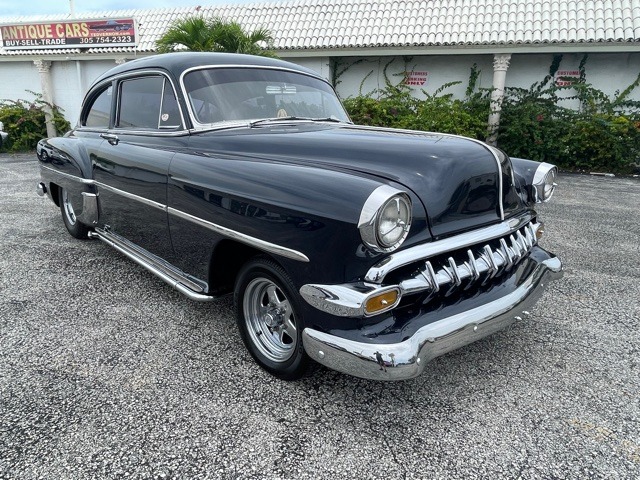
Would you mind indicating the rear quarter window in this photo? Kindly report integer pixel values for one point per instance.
(100, 109)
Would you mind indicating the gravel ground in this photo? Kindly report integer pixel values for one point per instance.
(105, 372)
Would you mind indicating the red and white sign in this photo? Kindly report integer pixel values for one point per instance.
(417, 79)
(562, 76)
(70, 34)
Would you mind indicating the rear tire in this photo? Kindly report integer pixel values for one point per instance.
(267, 313)
(74, 227)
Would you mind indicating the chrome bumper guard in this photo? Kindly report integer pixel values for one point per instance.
(407, 359)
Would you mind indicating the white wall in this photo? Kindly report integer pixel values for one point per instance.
(16, 78)
(366, 74)
(318, 64)
(69, 83)
(607, 72)
(71, 79)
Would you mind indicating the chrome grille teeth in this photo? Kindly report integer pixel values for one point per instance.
(506, 253)
(452, 271)
(491, 263)
(481, 265)
(472, 266)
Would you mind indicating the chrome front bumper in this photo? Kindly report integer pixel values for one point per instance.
(407, 359)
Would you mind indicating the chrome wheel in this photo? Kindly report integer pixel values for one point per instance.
(270, 320)
(68, 208)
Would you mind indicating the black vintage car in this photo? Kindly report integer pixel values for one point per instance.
(112, 25)
(368, 250)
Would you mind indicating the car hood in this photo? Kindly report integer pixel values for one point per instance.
(458, 180)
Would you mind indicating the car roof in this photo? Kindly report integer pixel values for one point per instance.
(178, 62)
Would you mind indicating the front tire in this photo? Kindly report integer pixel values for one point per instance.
(74, 227)
(268, 318)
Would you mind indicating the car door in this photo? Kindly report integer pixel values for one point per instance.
(133, 163)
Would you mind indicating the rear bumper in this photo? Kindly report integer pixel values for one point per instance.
(407, 359)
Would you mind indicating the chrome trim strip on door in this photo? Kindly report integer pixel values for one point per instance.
(241, 237)
(84, 181)
(133, 196)
(233, 234)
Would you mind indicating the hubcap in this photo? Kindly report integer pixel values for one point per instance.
(271, 323)
(68, 208)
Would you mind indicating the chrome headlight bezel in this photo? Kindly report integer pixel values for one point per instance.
(543, 184)
(371, 216)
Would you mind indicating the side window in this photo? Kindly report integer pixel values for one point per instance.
(148, 103)
(170, 111)
(140, 101)
(100, 110)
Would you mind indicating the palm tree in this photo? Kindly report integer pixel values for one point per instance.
(198, 34)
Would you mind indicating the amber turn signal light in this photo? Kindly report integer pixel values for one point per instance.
(381, 302)
(540, 231)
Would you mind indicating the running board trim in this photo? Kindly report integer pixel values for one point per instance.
(171, 277)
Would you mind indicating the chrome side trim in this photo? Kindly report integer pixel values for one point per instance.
(233, 234)
(396, 260)
(241, 237)
(161, 269)
(400, 361)
(84, 181)
(133, 196)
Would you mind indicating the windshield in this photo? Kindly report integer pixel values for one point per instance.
(232, 94)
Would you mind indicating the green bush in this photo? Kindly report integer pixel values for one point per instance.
(24, 121)
(603, 135)
(395, 107)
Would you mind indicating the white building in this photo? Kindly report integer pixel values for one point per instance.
(513, 42)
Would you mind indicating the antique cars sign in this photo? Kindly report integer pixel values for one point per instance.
(69, 34)
(368, 250)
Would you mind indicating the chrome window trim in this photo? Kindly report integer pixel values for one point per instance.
(378, 272)
(140, 74)
(240, 123)
(135, 73)
(92, 91)
(228, 232)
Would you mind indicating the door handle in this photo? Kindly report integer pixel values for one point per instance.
(109, 137)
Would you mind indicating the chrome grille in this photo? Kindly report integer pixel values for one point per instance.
(482, 263)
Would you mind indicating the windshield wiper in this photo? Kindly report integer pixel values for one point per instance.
(289, 118)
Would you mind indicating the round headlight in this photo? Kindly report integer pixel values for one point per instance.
(393, 221)
(544, 182)
(385, 219)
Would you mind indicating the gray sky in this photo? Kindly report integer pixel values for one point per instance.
(10, 8)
